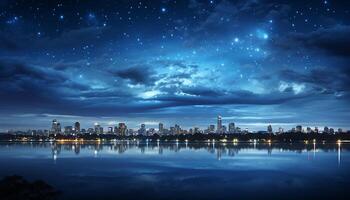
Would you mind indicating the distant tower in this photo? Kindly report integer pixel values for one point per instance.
(142, 130)
(231, 127)
(269, 129)
(98, 129)
(56, 127)
(122, 129)
(160, 128)
(219, 124)
(280, 130)
(177, 129)
(77, 127)
(211, 128)
(326, 130)
(299, 128)
(110, 129)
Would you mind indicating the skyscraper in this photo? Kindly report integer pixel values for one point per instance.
(110, 129)
(98, 129)
(142, 130)
(308, 130)
(77, 127)
(326, 130)
(231, 127)
(56, 127)
(299, 128)
(160, 128)
(177, 129)
(269, 129)
(211, 128)
(219, 124)
(68, 130)
(122, 129)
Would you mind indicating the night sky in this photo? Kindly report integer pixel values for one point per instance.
(254, 62)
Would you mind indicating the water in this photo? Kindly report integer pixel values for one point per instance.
(133, 170)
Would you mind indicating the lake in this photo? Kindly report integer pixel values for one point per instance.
(169, 170)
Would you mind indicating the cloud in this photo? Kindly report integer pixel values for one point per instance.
(32, 87)
(233, 98)
(336, 81)
(137, 74)
(202, 91)
(332, 41)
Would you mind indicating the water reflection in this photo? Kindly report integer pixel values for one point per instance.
(215, 148)
(184, 170)
(339, 150)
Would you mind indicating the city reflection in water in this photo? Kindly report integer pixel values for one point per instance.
(217, 149)
(184, 170)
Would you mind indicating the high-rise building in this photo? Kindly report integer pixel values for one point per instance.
(269, 129)
(316, 129)
(196, 130)
(142, 130)
(122, 129)
(219, 124)
(223, 129)
(231, 127)
(151, 131)
(172, 130)
(110, 129)
(130, 132)
(77, 127)
(98, 129)
(59, 129)
(160, 128)
(90, 131)
(308, 130)
(68, 130)
(280, 130)
(331, 131)
(211, 128)
(177, 129)
(340, 130)
(56, 127)
(326, 130)
(299, 128)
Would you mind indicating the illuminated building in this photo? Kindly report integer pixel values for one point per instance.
(56, 127)
(68, 130)
(160, 128)
(98, 129)
(231, 127)
(219, 124)
(211, 128)
(269, 129)
(122, 129)
(110, 130)
(77, 127)
(142, 130)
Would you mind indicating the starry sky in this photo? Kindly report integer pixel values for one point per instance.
(255, 62)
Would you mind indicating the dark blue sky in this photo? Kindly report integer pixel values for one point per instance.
(254, 62)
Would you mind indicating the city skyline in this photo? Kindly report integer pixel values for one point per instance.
(121, 128)
(174, 99)
(256, 62)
